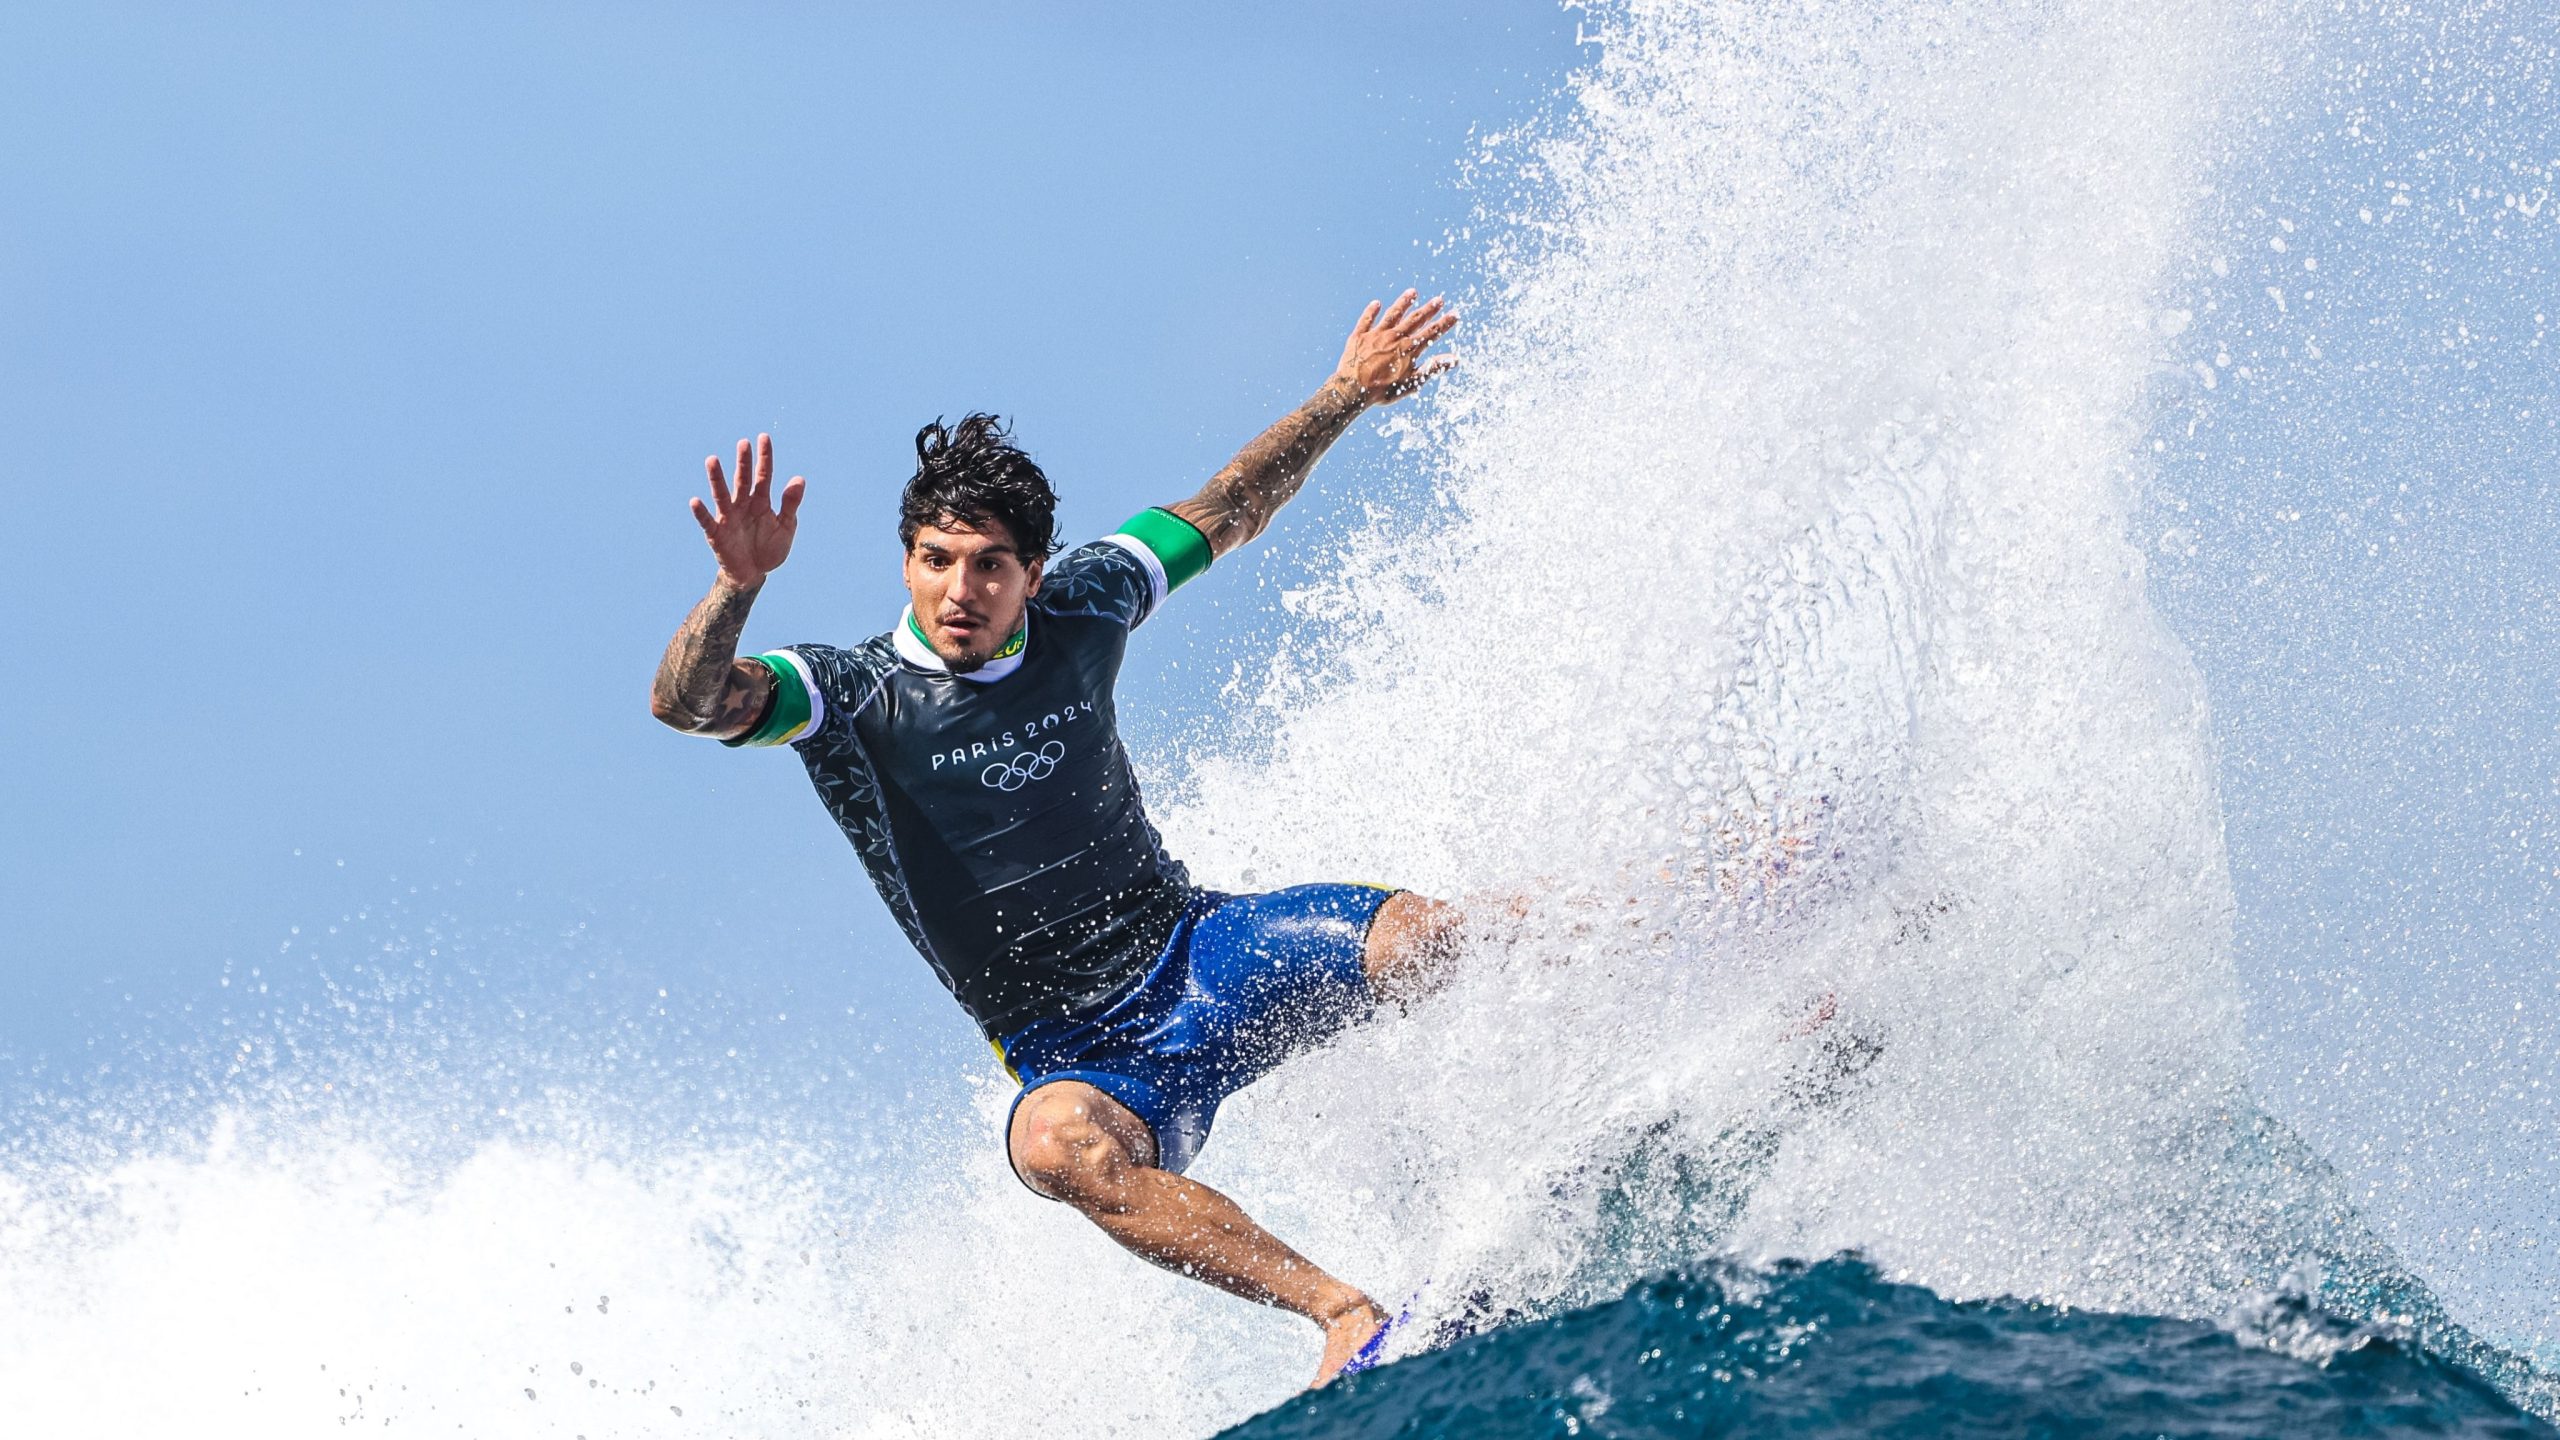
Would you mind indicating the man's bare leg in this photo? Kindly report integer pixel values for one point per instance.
(1412, 940)
(1075, 1144)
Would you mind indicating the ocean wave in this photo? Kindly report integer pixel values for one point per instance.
(1833, 1348)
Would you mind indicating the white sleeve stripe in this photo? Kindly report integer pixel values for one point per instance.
(808, 682)
(1156, 580)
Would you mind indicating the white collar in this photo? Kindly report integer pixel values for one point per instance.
(909, 639)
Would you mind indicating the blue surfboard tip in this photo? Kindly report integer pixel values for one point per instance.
(1374, 1353)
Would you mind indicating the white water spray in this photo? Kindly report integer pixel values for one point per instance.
(1786, 591)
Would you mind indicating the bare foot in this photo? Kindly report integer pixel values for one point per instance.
(1345, 1331)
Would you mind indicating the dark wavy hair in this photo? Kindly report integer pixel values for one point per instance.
(970, 473)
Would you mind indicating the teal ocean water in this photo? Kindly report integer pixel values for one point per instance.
(1832, 1349)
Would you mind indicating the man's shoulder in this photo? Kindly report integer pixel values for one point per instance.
(1106, 558)
(844, 672)
(1100, 579)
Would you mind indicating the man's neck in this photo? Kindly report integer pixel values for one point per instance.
(919, 651)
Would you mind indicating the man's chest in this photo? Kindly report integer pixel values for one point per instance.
(982, 757)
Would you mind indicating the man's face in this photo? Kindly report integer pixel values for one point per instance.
(968, 587)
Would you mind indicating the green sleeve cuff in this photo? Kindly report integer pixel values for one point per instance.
(794, 710)
(1176, 543)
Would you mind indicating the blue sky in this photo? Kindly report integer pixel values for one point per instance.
(360, 360)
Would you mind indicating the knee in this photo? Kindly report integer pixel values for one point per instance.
(1411, 944)
(1062, 1149)
(1438, 930)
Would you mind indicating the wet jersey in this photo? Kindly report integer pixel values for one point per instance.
(996, 811)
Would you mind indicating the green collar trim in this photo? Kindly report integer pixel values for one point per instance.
(1011, 648)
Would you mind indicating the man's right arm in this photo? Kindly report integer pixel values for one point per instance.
(703, 688)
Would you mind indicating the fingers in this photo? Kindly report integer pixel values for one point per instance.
(1434, 330)
(702, 517)
(720, 499)
(1421, 318)
(754, 484)
(1368, 318)
(1395, 312)
(1422, 376)
(791, 494)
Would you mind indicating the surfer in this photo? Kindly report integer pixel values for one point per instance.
(972, 755)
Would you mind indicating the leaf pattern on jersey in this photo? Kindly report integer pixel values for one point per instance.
(1098, 580)
(842, 771)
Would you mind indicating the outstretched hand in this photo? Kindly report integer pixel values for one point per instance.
(1383, 357)
(749, 534)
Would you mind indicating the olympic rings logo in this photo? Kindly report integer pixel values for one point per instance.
(1011, 775)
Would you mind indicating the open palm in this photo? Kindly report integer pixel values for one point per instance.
(750, 535)
(1384, 354)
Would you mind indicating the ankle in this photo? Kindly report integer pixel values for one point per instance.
(1340, 1305)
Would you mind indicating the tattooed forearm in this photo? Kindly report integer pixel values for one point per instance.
(701, 686)
(1239, 501)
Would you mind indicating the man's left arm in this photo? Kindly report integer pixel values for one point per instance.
(1382, 363)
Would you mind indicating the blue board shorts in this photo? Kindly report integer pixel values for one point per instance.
(1245, 982)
